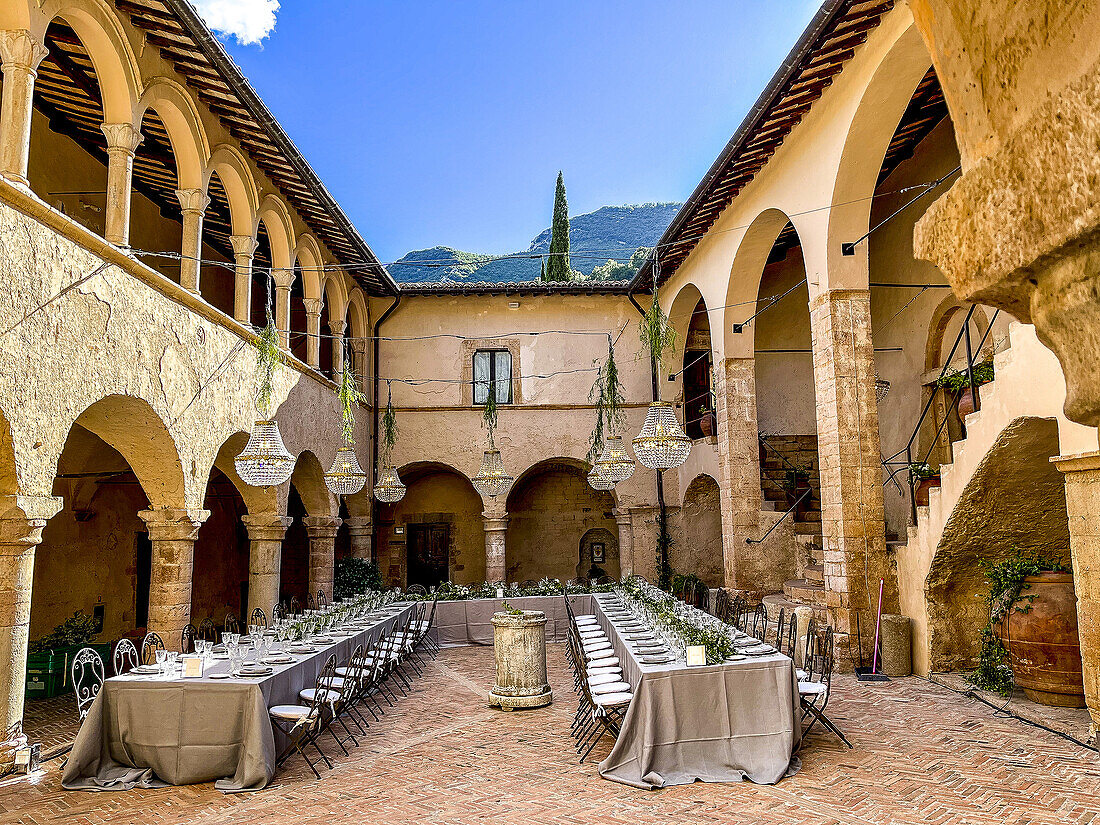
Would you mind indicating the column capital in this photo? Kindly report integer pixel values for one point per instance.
(321, 527)
(19, 50)
(622, 516)
(359, 525)
(1077, 463)
(243, 245)
(173, 524)
(23, 517)
(266, 526)
(284, 278)
(193, 200)
(313, 307)
(495, 521)
(337, 327)
(121, 137)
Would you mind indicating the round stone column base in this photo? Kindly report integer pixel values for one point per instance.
(504, 702)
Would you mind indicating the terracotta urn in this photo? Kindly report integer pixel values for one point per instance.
(964, 403)
(1044, 650)
(707, 423)
(921, 493)
(519, 647)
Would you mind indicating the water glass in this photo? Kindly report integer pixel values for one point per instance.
(162, 657)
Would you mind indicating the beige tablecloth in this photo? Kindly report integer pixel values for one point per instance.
(719, 723)
(469, 622)
(145, 732)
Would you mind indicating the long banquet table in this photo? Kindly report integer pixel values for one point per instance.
(714, 723)
(146, 731)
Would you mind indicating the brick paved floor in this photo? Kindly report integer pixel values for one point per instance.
(923, 754)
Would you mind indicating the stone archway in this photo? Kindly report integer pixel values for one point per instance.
(1015, 500)
(550, 508)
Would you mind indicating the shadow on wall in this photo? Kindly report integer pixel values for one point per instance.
(1016, 500)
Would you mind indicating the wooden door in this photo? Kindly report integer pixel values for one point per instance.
(429, 553)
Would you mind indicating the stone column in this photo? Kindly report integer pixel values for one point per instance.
(853, 522)
(20, 55)
(359, 364)
(626, 542)
(172, 534)
(337, 329)
(1082, 475)
(244, 247)
(284, 278)
(122, 142)
(21, 521)
(193, 202)
(322, 552)
(361, 530)
(740, 495)
(313, 332)
(265, 555)
(496, 527)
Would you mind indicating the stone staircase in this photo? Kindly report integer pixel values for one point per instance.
(808, 589)
(1028, 384)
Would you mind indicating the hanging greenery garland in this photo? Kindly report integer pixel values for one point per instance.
(265, 461)
(607, 396)
(389, 488)
(489, 416)
(655, 331)
(346, 476)
(268, 357)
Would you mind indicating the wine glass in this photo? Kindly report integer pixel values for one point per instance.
(162, 658)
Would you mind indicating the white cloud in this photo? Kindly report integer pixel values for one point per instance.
(249, 21)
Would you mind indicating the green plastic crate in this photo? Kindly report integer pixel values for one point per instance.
(46, 676)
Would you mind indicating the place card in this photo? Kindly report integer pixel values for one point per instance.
(192, 667)
(696, 655)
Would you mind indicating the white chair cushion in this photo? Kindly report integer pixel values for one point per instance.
(585, 617)
(591, 630)
(328, 695)
(811, 688)
(590, 647)
(801, 674)
(610, 687)
(600, 654)
(289, 711)
(601, 671)
(607, 700)
(613, 675)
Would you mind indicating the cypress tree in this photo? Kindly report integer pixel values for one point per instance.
(557, 267)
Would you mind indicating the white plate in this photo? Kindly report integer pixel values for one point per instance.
(655, 660)
(219, 676)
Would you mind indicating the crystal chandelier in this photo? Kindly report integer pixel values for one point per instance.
(598, 481)
(345, 477)
(492, 480)
(882, 388)
(662, 443)
(264, 462)
(389, 488)
(614, 463)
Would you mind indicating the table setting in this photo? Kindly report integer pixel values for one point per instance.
(168, 724)
(733, 717)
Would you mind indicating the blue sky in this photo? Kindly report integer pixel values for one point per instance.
(445, 123)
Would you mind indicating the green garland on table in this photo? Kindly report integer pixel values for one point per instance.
(718, 643)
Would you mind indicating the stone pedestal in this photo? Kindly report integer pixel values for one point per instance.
(519, 642)
(897, 646)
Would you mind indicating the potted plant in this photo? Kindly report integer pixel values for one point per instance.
(707, 422)
(1032, 624)
(958, 384)
(796, 483)
(923, 478)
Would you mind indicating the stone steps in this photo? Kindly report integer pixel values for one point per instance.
(814, 573)
(805, 591)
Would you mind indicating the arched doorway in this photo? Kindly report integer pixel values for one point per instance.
(435, 532)
(550, 508)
